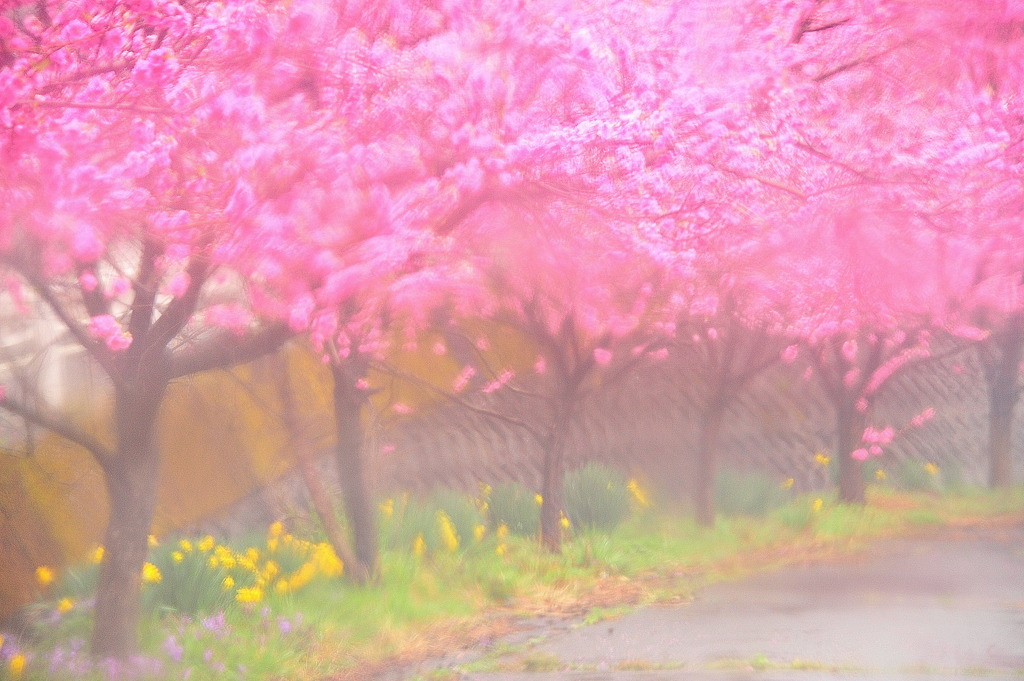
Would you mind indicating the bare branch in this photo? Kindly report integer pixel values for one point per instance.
(225, 349)
(63, 427)
(387, 369)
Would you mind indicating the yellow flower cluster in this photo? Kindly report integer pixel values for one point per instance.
(45, 575)
(446, 530)
(151, 574)
(17, 666)
(638, 493)
(821, 458)
(931, 469)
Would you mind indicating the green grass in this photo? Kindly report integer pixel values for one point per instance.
(424, 605)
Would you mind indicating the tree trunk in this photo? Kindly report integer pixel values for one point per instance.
(131, 489)
(553, 489)
(348, 405)
(307, 469)
(849, 433)
(1001, 369)
(707, 464)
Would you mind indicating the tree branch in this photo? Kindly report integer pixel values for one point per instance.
(225, 349)
(385, 368)
(62, 427)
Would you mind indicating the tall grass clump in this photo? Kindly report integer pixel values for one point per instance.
(597, 497)
(516, 507)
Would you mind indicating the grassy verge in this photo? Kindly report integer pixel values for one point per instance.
(305, 624)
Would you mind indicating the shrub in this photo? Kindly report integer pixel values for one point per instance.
(515, 506)
(919, 475)
(748, 493)
(596, 497)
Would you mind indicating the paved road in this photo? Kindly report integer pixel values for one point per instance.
(937, 608)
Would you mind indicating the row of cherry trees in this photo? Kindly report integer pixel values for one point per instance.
(187, 184)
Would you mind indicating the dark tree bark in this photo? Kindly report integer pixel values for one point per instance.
(348, 408)
(553, 476)
(1001, 361)
(131, 480)
(850, 425)
(707, 463)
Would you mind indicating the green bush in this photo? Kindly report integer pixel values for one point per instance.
(405, 518)
(596, 497)
(515, 506)
(748, 493)
(914, 475)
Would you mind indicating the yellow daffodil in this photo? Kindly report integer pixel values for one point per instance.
(249, 595)
(151, 574)
(276, 529)
(205, 544)
(177, 556)
(479, 531)
(17, 666)
(446, 529)
(500, 549)
(564, 522)
(419, 547)
(65, 604)
(502, 531)
(45, 575)
(213, 562)
(822, 459)
(931, 469)
(816, 506)
(637, 493)
(185, 545)
(228, 584)
(387, 508)
(538, 499)
(152, 541)
(96, 557)
(787, 483)
(880, 475)
(281, 587)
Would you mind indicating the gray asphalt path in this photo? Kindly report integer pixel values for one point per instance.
(948, 607)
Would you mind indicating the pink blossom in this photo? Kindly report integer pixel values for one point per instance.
(439, 348)
(462, 380)
(387, 448)
(362, 384)
(882, 437)
(602, 356)
(661, 353)
(118, 287)
(540, 366)
(712, 333)
(922, 418)
(401, 408)
(861, 405)
(875, 450)
(86, 245)
(860, 454)
(87, 280)
(232, 317)
(850, 350)
(789, 355)
(179, 284)
(482, 344)
(3, 392)
(851, 377)
(107, 329)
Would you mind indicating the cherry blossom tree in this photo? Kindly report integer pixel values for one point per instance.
(128, 132)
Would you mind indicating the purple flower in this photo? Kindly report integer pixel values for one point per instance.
(216, 623)
(173, 649)
(284, 625)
